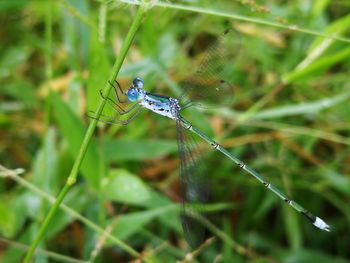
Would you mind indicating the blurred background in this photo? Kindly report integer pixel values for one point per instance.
(289, 120)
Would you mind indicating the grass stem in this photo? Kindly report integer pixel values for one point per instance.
(230, 14)
(74, 172)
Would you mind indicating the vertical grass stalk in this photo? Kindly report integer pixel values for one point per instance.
(48, 61)
(74, 172)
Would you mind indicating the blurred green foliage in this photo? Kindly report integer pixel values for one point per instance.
(289, 121)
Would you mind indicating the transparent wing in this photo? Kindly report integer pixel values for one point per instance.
(212, 80)
(194, 186)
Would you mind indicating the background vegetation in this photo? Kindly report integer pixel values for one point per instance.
(289, 120)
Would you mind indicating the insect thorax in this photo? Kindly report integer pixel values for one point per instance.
(168, 107)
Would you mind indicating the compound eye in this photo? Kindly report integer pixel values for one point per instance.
(138, 82)
(132, 94)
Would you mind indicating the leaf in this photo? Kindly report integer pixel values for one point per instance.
(75, 199)
(99, 67)
(337, 27)
(302, 108)
(291, 219)
(318, 66)
(137, 150)
(22, 91)
(6, 6)
(319, 6)
(313, 61)
(12, 59)
(306, 256)
(7, 219)
(13, 253)
(134, 222)
(45, 163)
(14, 212)
(73, 131)
(338, 181)
(122, 186)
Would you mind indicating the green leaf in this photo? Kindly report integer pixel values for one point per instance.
(99, 67)
(306, 256)
(75, 199)
(22, 91)
(134, 222)
(73, 130)
(122, 186)
(338, 181)
(12, 59)
(313, 62)
(338, 27)
(45, 164)
(18, 208)
(291, 219)
(14, 254)
(318, 66)
(137, 150)
(302, 108)
(6, 6)
(319, 6)
(7, 219)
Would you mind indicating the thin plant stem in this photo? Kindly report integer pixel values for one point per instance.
(13, 174)
(53, 255)
(228, 239)
(232, 15)
(48, 60)
(75, 169)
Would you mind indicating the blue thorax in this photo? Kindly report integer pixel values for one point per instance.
(159, 104)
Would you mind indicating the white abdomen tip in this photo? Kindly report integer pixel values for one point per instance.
(322, 224)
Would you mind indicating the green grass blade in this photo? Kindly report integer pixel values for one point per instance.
(73, 130)
(319, 65)
(232, 15)
(83, 149)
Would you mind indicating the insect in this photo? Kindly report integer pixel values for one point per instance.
(193, 181)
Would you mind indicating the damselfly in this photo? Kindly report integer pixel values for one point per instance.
(206, 85)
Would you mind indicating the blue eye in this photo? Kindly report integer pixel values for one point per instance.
(132, 94)
(138, 83)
